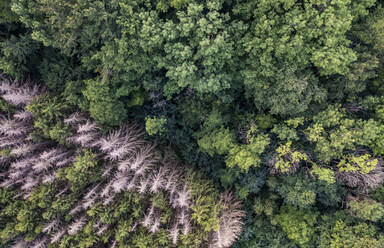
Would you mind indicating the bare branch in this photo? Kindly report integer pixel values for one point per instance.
(76, 226)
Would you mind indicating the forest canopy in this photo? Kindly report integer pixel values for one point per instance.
(191, 123)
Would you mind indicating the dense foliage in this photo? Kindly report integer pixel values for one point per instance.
(278, 101)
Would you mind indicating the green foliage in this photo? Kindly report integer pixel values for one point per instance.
(298, 224)
(219, 141)
(248, 155)
(49, 112)
(303, 191)
(295, 190)
(206, 207)
(379, 194)
(366, 209)
(57, 70)
(324, 174)
(363, 164)
(373, 29)
(287, 158)
(155, 125)
(285, 92)
(6, 15)
(6, 107)
(103, 105)
(18, 56)
(340, 231)
(85, 170)
(5, 153)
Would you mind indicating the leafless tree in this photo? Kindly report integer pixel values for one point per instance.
(148, 218)
(109, 200)
(51, 226)
(83, 139)
(7, 142)
(182, 217)
(183, 199)
(93, 192)
(19, 94)
(102, 229)
(130, 136)
(106, 190)
(87, 203)
(143, 160)
(24, 149)
(120, 152)
(58, 235)
(75, 118)
(76, 226)
(29, 183)
(20, 244)
(114, 244)
(158, 180)
(187, 227)
(173, 177)
(49, 178)
(13, 128)
(174, 233)
(87, 127)
(23, 163)
(133, 183)
(143, 185)
(62, 192)
(40, 243)
(22, 115)
(108, 169)
(76, 209)
(231, 224)
(120, 182)
(361, 182)
(155, 227)
(6, 85)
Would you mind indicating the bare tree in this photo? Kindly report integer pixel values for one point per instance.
(40, 243)
(24, 149)
(183, 199)
(132, 183)
(75, 118)
(84, 139)
(49, 178)
(143, 185)
(20, 244)
(13, 128)
(148, 218)
(87, 203)
(76, 226)
(22, 115)
(57, 236)
(156, 224)
(174, 233)
(21, 95)
(158, 180)
(102, 229)
(114, 244)
(50, 226)
(93, 192)
(29, 183)
(120, 182)
(108, 169)
(231, 224)
(182, 217)
(187, 227)
(106, 190)
(143, 160)
(87, 127)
